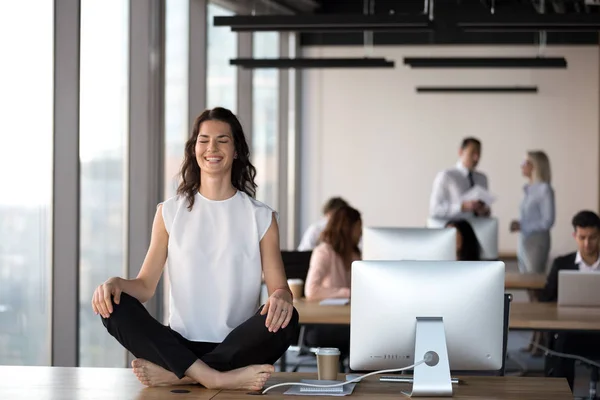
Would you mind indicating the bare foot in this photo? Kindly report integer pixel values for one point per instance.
(252, 377)
(152, 375)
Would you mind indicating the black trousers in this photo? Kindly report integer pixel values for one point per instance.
(580, 344)
(145, 337)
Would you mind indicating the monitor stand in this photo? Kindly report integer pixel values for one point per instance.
(431, 378)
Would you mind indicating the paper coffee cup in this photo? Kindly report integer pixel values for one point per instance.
(328, 360)
(297, 288)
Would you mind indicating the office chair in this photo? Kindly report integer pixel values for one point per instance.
(592, 393)
(594, 373)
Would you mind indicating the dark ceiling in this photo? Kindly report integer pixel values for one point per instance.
(415, 6)
(443, 10)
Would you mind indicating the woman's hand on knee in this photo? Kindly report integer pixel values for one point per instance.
(101, 300)
(279, 309)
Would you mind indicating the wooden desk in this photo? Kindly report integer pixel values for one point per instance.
(508, 387)
(516, 280)
(313, 313)
(523, 316)
(550, 317)
(507, 256)
(45, 383)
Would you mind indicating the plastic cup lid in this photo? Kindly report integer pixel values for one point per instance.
(328, 351)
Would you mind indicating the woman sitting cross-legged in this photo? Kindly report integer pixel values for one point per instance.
(217, 241)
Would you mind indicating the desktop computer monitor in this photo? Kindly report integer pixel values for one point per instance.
(486, 230)
(381, 243)
(452, 311)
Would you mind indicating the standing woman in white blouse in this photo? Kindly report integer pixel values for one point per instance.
(217, 241)
(537, 214)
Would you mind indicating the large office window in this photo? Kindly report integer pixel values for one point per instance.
(176, 103)
(26, 101)
(103, 155)
(221, 85)
(176, 89)
(265, 92)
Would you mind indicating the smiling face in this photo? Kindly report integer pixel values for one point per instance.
(215, 150)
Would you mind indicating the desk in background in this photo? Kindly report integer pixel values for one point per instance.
(523, 316)
(516, 280)
(549, 317)
(507, 256)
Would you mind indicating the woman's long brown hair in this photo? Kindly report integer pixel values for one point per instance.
(339, 231)
(242, 171)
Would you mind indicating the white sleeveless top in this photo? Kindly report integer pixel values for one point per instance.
(214, 263)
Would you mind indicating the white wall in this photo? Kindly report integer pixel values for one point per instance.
(367, 135)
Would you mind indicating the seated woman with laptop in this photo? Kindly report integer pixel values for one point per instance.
(329, 274)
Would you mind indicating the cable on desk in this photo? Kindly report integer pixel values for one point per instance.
(357, 379)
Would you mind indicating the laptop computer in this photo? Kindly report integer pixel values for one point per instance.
(578, 288)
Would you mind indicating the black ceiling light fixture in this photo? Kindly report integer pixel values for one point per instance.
(530, 23)
(302, 63)
(325, 23)
(540, 61)
(477, 89)
(486, 62)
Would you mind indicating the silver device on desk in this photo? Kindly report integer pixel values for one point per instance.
(402, 311)
(486, 230)
(387, 243)
(578, 288)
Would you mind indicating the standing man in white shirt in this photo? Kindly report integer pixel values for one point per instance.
(451, 184)
(311, 236)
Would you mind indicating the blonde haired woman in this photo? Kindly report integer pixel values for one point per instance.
(537, 213)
